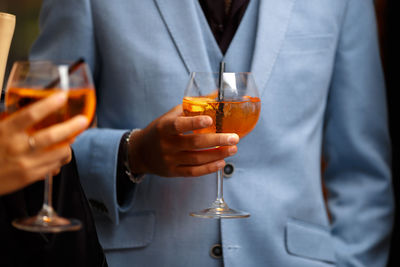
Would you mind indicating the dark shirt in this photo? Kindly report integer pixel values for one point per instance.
(223, 21)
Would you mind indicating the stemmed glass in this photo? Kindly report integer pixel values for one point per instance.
(33, 81)
(232, 101)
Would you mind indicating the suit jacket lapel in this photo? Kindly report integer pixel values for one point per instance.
(183, 25)
(273, 20)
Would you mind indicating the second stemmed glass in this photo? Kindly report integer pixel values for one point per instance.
(236, 110)
(30, 82)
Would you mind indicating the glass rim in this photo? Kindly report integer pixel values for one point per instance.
(210, 72)
(45, 61)
(38, 74)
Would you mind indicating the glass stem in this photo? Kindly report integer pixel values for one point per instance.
(47, 209)
(219, 202)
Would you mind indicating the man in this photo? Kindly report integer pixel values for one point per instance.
(317, 67)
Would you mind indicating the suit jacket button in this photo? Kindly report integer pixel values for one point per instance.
(216, 251)
(228, 170)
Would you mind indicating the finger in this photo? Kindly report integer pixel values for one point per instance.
(186, 124)
(59, 155)
(56, 172)
(175, 123)
(194, 171)
(39, 173)
(201, 141)
(67, 159)
(36, 174)
(22, 179)
(34, 113)
(205, 156)
(60, 132)
(35, 167)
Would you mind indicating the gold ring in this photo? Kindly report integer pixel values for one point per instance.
(32, 143)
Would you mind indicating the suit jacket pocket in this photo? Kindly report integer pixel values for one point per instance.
(308, 43)
(134, 230)
(310, 241)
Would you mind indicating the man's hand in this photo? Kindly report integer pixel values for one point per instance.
(162, 148)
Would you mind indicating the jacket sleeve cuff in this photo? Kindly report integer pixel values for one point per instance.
(96, 152)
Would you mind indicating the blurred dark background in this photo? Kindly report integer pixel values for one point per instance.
(27, 13)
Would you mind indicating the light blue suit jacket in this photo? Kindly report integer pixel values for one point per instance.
(317, 66)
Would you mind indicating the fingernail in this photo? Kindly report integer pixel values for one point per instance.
(232, 150)
(206, 122)
(83, 121)
(233, 139)
(220, 164)
(61, 97)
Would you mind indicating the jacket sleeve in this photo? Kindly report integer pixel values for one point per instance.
(357, 145)
(67, 33)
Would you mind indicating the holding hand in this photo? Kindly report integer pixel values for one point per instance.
(25, 158)
(162, 148)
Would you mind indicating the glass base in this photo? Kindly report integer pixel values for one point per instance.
(220, 210)
(47, 222)
(212, 213)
